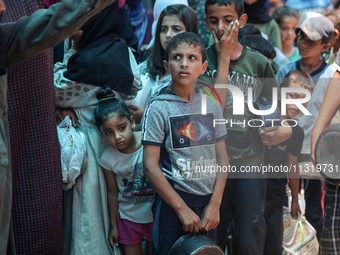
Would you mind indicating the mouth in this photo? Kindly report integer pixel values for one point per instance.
(184, 74)
(119, 144)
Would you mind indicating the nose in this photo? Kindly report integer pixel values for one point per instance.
(117, 136)
(2, 6)
(185, 63)
(170, 33)
(221, 26)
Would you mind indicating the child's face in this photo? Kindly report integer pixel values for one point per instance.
(118, 132)
(287, 29)
(185, 64)
(170, 27)
(291, 109)
(219, 17)
(309, 48)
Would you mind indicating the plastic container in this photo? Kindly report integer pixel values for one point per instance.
(304, 242)
(289, 227)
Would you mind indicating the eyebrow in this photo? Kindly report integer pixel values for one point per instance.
(214, 17)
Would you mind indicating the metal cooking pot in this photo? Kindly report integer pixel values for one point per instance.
(327, 154)
(190, 244)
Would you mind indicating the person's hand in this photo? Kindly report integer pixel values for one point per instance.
(295, 208)
(225, 46)
(210, 217)
(113, 236)
(137, 112)
(189, 219)
(68, 112)
(275, 135)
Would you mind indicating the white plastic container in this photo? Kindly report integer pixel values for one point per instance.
(303, 244)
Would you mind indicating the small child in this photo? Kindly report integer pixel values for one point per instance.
(284, 154)
(180, 143)
(129, 194)
(288, 19)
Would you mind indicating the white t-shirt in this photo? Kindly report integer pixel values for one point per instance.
(135, 195)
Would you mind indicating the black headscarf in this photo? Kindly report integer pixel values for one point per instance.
(102, 58)
(256, 12)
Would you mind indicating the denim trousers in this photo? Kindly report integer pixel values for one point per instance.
(243, 202)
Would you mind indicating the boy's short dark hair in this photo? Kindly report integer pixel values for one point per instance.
(300, 77)
(239, 6)
(260, 44)
(186, 37)
(247, 30)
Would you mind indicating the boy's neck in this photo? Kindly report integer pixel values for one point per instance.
(237, 51)
(310, 65)
(186, 92)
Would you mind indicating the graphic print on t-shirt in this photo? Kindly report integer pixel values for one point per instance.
(192, 130)
(137, 188)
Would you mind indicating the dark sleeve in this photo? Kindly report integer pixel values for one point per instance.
(295, 142)
(43, 29)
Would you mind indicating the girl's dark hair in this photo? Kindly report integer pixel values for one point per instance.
(280, 13)
(109, 106)
(189, 18)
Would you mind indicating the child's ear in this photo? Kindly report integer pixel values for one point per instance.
(204, 67)
(165, 63)
(243, 20)
(206, 21)
(326, 46)
(132, 121)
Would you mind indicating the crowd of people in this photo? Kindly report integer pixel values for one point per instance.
(166, 142)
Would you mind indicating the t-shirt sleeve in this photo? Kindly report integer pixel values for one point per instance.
(296, 141)
(153, 124)
(270, 82)
(104, 160)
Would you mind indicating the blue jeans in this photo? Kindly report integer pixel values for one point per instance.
(244, 202)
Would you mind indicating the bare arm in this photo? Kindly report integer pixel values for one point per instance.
(276, 135)
(293, 175)
(224, 49)
(42, 30)
(112, 203)
(329, 107)
(211, 213)
(153, 173)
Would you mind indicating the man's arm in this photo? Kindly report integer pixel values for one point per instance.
(42, 30)
(330, 105)
(211, 213)
(153, 173)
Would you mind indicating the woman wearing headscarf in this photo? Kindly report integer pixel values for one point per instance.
(102, 59)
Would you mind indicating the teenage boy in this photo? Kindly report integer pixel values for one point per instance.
(180, 145)
(284, 154)
(227, 57)
(313, 38)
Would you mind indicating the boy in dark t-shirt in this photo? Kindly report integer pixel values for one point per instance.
(230, 62)
(284, 154)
